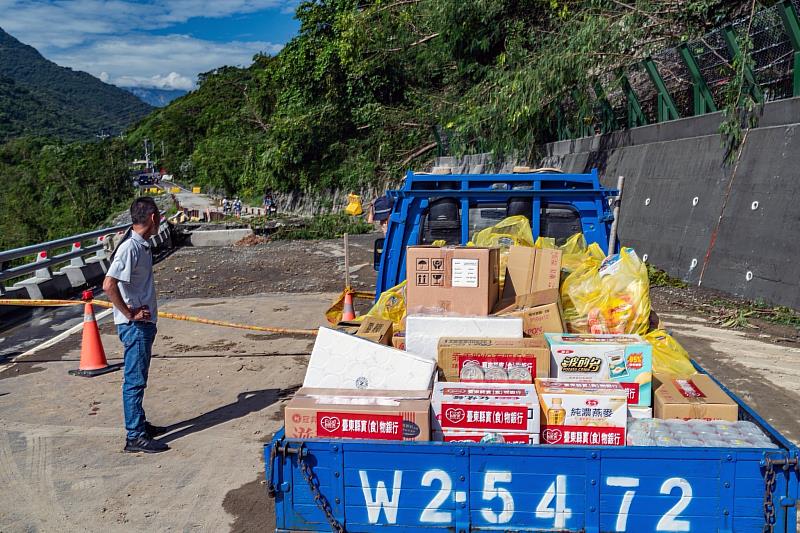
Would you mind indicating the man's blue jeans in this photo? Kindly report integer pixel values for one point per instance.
(137, 339)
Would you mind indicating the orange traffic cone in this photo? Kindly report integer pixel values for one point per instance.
(348, 313)
(93, 357)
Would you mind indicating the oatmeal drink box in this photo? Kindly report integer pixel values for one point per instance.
(627, 359)
(485, 407)
(592, 413)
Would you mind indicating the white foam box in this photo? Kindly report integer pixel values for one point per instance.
(485, 407)
(342, 361)
(424, 331)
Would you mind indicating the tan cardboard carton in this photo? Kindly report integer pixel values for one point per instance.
(532, 277)
(376, 330)
(696, 396)
(456, 352)
(538, 320)
(460, 279)
(399, 340)
(358, 414)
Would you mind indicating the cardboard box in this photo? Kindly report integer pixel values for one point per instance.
(627, 359)
(532, 277)
(694, 397)
(485, 407)
(348, 414)
(456, 352)
(462, 280)
(399, 340)
(582, 412)
(423, 332)
(536, 321)
(376, 330)
(477, 436)
(343, 361)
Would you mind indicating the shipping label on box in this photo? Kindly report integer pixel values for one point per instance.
(485, 407)
(582, 412)
(693, 397)
(509, 359)
(627, 359)
(477, 436)
(453, 279)
(365, 417)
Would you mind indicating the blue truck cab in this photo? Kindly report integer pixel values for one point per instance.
(368, 486)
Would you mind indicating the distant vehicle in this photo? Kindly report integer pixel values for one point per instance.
(143, 171)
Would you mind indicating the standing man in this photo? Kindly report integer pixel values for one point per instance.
(129, 285)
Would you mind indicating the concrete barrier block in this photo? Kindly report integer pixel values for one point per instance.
(80, 277)
(54, 288)
(218, 237)
(103, 262)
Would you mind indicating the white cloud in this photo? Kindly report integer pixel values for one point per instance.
(164, 62)
(107, 37)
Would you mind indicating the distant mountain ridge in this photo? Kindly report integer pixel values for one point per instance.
(156, 97)
(38, 97)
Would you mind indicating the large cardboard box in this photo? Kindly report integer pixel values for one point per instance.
(532, 277)
(696, 396)
(349, 414)
(477, 436)
(582, 412)
(457, 352)
(627, 359)
(343, 361)
(376, 330)
(461, 280)
(423, 332)
(492, 407)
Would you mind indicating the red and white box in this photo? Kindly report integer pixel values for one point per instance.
(477, 436)
(588, 413)
(485, 407)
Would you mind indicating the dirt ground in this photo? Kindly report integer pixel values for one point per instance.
(220, 392)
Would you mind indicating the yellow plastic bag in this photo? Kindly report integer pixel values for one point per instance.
(335, 311)
(608, 297)
(511, 231)
(669, 357)
(353, 205)
(391, 306)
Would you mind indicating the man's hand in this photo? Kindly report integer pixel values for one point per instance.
(140, 313)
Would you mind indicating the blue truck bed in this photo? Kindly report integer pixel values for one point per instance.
(374, 485)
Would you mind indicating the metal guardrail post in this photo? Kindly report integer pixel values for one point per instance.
(608, 121)
(44, 272)
(77, 261)
(701, 95)
(666, 105)
(733, 49)
(791, 23)
(636, 117)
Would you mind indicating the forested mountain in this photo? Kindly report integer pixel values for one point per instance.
(156, 97)
(355, 97)
(38, 97)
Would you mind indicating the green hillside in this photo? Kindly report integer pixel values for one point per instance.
(355, 97)
(38, 97)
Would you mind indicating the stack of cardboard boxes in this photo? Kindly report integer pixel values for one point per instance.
(507, 370)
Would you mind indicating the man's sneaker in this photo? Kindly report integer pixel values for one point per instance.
(146, 445)
(153, 431)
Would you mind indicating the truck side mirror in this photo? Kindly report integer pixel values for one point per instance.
(377, 252)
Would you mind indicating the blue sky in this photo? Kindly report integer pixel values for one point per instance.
(157, 44)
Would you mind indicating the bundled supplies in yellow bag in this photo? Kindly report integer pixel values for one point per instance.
(391, 305)
(612, 296)
(511, 231)
(354, 207)
(669, 357)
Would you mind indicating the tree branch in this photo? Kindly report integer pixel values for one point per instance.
(417, 153)
(415, 43)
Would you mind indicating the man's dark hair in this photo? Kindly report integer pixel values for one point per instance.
(142, 208)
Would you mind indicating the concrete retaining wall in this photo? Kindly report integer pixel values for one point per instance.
(695, 217)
